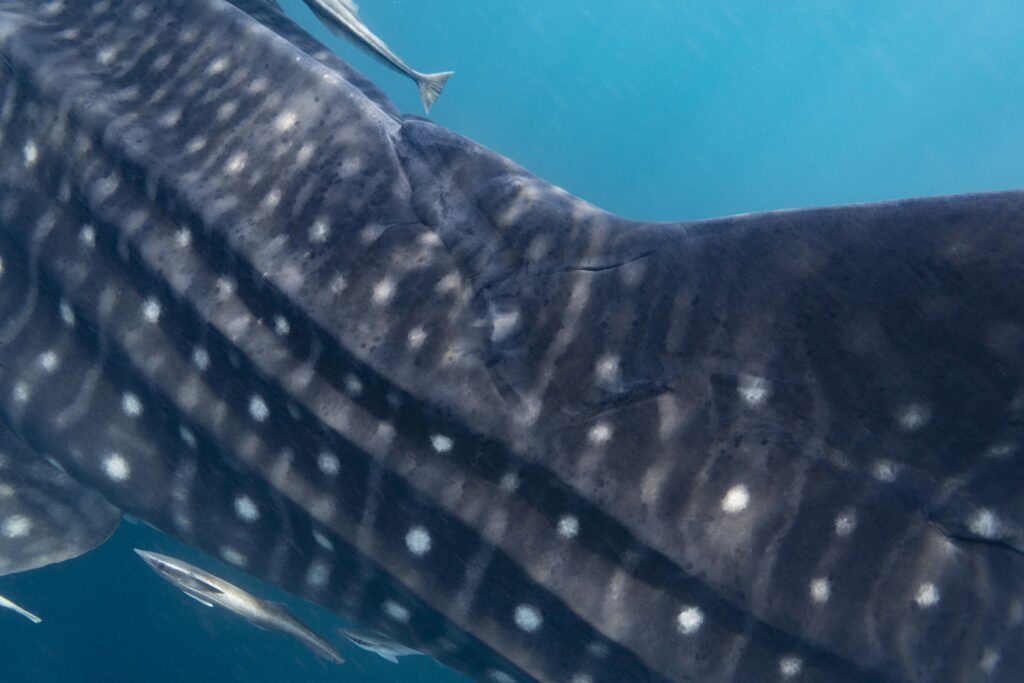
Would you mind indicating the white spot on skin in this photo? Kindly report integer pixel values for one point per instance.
(607, 370)
(200, 358)
(509, 482)
(183, 238)
(913, 416)
(236, 162)
(285, 121)
(246, 509)
(568, 527)
(328, 464)
(226, 110)
(188, 437)
(272, 199)
(353, 385)
(21, 392)
(225, 287)
(383, 291)
(233, 556)
(989, 660)
(106, 56)
(927, 595)
(131, 405)
(754, 390)
(87, 236)
(196, 144)
(218, 66)
(322, 540)
(67, 314)
(17, 526)
(821, 590)
(736, 499)
(416, 337)
(258, 408)
(528, 618)
(441, 443)
(884, 471)
(49, 361)
(845, 523)
(281, 325)
(600, 434)
(984, 523)
(151, 310)
(689, 620)
(1002, 451)
(418, 541)
(320, 231)
(396, 611)
(30, 153)
(116, 467)
(790, 666)
(317, 574)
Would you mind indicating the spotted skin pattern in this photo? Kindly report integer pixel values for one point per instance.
(247, 301)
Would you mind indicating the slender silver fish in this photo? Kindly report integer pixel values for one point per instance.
(13, 606)
(211, 590)
(342, 18)
(378, 643)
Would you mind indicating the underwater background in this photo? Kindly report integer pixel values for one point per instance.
(653, 109)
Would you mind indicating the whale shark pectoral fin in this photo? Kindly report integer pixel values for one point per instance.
(45, 515)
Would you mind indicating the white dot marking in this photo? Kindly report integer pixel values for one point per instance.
(736, 499)
(116, 467)
(927, 595)
(528, 618)
(246, 509)
(258, 408)
(418, 541)
(689, 620)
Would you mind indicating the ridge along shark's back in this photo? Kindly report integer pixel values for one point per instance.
(390, 371)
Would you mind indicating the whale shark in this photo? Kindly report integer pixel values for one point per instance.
(245, 300)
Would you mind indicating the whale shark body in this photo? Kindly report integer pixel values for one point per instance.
(245, 300)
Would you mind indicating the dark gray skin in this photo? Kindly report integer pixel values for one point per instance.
(390, 371)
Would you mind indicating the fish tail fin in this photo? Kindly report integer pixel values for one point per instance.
(431, 86)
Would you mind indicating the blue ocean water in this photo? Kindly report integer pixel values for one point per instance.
(655, 109)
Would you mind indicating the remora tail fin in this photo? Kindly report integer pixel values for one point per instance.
(431, 85)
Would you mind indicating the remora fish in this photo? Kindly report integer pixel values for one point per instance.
(211, 590)
(377, 643)
(15, 607)
(246, 301)
(342, 18)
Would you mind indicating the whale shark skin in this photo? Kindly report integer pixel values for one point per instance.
(245, 300)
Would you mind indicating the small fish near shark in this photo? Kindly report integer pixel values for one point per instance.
(211, 590)
(342, 18)
(246, 301)
(379, 644)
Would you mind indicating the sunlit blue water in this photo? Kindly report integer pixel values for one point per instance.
(661, 109)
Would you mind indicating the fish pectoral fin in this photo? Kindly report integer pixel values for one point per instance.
(197, 597)
(45, 515)
(390, 657)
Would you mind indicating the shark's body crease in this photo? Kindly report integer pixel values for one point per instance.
(243, 299)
